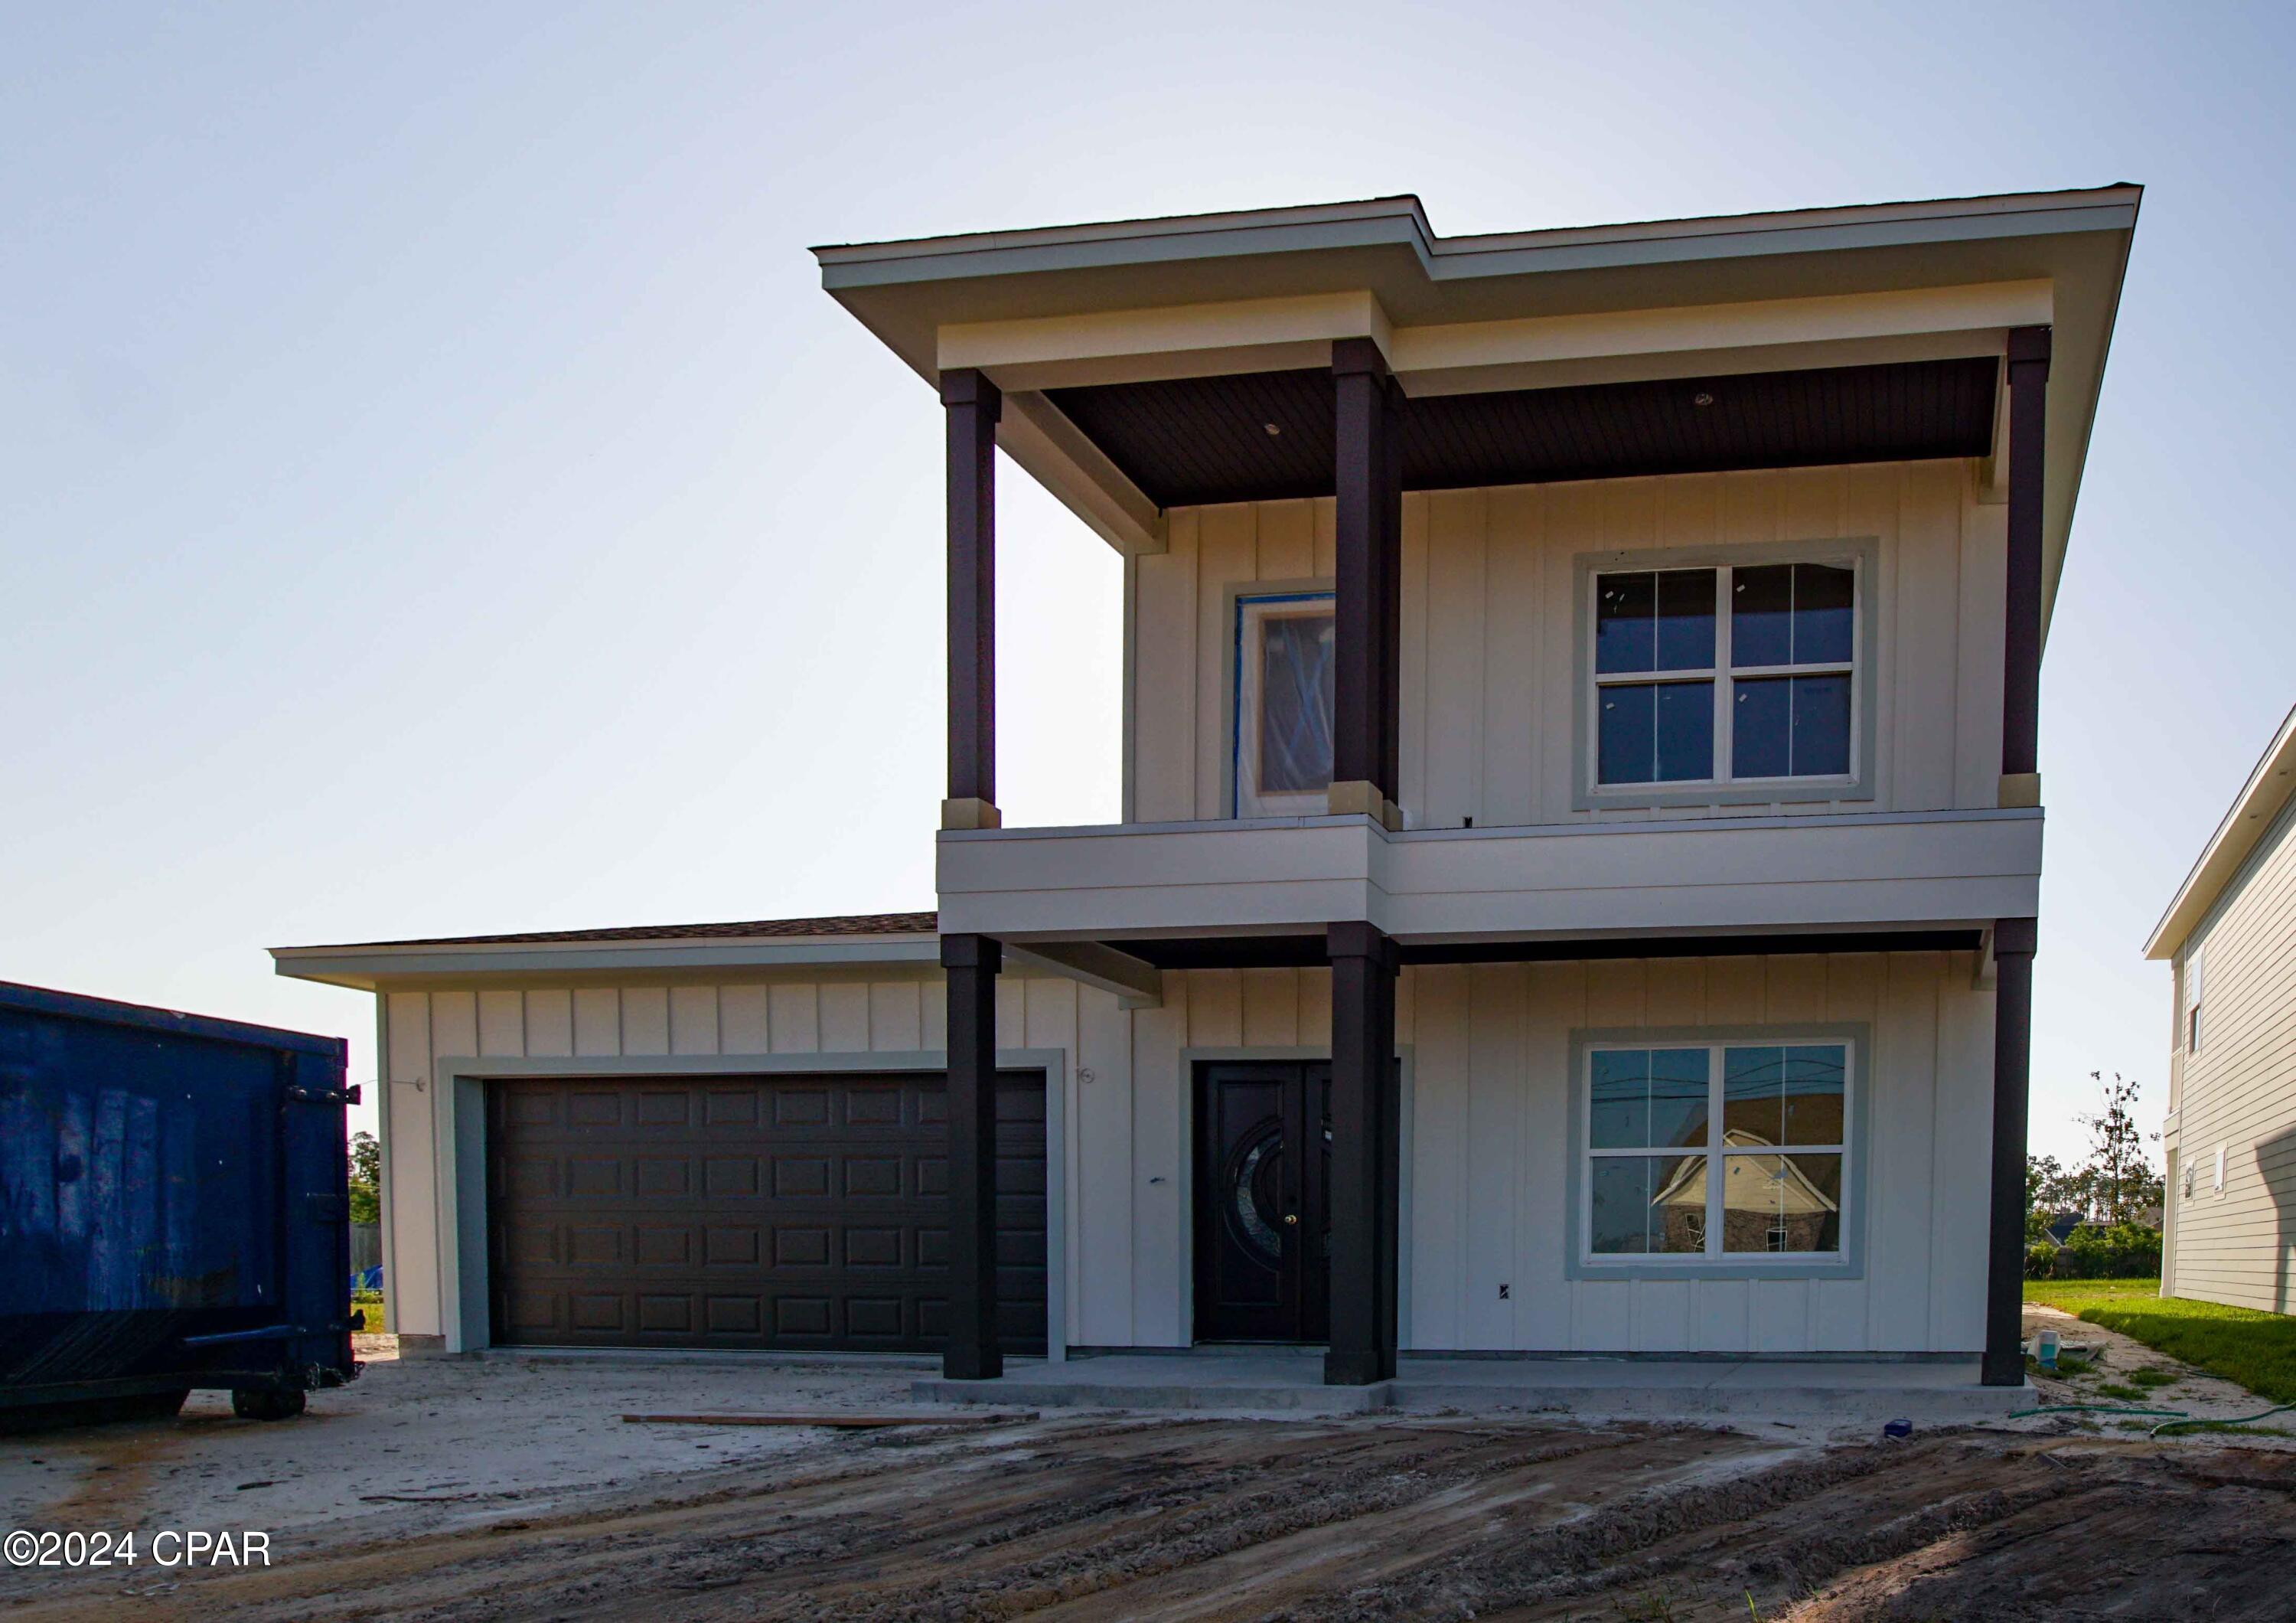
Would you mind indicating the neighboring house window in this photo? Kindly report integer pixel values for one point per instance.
(1740, 675)
(2220, 1169)
(1284, 674)
(1716, 1150)
(2192, 977)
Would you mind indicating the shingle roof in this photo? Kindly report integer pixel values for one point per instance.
(849, 924)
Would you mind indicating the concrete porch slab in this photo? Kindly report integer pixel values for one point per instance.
(1282, 1381)
(1255, 1380)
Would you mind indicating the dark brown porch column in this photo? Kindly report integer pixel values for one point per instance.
(1369, 574)
(2012, 1035)
(974, 406)
(2020, 669)
(2015, 939)
(1365, 1135)
(973, 1353)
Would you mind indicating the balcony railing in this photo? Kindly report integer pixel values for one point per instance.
(1821, 872)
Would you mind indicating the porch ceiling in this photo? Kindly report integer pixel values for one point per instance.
(1198, 439)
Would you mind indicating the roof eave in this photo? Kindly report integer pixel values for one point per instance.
(906, 292)
(2266, 792)
(1402, 221)
(370, 969)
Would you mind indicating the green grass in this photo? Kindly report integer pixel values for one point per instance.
(2073, 1295)
(370, 1302)
(2239, 1344)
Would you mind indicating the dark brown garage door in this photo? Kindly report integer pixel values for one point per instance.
(794, 1212)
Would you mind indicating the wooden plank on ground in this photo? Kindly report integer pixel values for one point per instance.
(842, 1423)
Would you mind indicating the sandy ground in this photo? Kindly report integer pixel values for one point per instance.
(511, 1489)
(2114, 1357)
(416, 1448)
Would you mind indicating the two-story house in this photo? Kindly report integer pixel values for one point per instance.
(2228, 1220)
(1580, 850)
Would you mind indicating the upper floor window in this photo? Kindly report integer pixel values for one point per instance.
(1283, 678)
(1735, 677)
(2194, 960)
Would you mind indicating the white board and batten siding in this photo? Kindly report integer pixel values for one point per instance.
(2237, 1094)
(1488, 697)
(1488, 1049)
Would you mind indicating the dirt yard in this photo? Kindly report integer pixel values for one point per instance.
(511, 1489)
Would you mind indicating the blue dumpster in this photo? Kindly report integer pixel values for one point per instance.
(174, 1211)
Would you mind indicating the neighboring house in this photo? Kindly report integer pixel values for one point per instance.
(2229, 1226)
(1579, 711)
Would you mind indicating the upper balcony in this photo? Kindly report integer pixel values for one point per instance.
(1686, 579)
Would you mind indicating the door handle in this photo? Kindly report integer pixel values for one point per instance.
(1290, 1216)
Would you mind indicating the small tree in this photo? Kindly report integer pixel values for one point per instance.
(2121, 1185)
(366, 1178)
(2044, 1185)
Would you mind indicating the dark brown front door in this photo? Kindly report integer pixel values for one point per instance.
(781, 1211)
(1263, 1164)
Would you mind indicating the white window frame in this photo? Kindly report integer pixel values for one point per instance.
(1593, 1264)
(1860, 556)
(1254, 607)
(2195, 979)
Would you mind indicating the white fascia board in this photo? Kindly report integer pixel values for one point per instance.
(1810, 230)
(1265, 334)
(1776, 333)
(1375, 222)
(1171, 341)
(368, 968)
(1401, 222)
(2261, 799)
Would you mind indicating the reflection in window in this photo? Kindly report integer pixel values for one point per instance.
(1771, 1117)
(1773, 1202)
(1284, 670)
(1632, 1209)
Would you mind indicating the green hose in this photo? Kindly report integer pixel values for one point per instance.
(2088, 1409)
(2240, 1420)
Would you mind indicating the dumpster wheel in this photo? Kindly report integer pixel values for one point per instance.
(254, 1403)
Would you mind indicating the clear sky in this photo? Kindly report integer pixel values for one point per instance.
(436, 496)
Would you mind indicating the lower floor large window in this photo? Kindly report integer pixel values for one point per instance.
(1716, 1150)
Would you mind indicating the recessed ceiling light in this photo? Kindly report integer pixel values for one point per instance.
(1702, 399)
(1273, 430)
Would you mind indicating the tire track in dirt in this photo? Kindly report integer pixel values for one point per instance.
(987, 1528)
(2131, 1533)
(1952, 1527)
(1356, 1519)
(1253, 1512)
